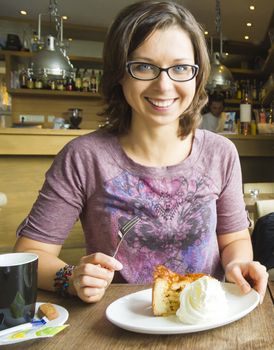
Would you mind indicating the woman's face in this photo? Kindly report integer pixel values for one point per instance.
(161, 101)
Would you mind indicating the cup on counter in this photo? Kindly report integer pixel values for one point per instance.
(58, 123)
(18, 288)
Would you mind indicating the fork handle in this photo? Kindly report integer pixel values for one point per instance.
(117, 248)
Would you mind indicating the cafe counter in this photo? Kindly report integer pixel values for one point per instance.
(34, 141)
(27, 153)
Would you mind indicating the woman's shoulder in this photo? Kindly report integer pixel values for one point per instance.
(94, 136)
(215, 149)
(214, 142)
(92, 141)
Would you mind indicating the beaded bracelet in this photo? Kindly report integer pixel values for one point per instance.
(61, 281)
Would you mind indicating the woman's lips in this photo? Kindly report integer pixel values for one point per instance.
(161, 103)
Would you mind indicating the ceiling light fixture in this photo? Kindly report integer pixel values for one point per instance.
(249, 24)
(206, 32)
(220, 78)
(252, 7)
(52, 62)
(23, 12)
(246, 37)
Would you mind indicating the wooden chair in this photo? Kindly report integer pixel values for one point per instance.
(264, 207)
(255, 188)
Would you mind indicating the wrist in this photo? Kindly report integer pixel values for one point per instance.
(63, 281)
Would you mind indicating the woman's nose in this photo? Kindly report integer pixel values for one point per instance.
(163, 82)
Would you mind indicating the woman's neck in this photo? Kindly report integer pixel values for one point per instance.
(158, 147)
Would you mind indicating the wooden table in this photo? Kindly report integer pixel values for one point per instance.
(89, 329)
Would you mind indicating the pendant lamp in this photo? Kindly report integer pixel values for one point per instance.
(52, 62)
(220, 78)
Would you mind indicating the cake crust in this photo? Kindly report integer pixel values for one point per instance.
(166, 289)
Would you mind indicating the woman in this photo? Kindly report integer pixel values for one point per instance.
(150, 161)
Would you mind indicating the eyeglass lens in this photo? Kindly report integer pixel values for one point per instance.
(145, 71)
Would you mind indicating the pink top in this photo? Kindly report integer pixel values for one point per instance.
(182, 207)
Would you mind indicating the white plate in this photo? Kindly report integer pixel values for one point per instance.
(134, 313)
(63, 316)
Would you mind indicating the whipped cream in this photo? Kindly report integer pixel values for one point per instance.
(202, 301)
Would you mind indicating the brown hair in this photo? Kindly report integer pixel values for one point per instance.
(128, 31)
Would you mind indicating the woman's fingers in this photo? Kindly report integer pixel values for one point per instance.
(259, 276)
(247, 275)
(104, 260)
(93, 275)
(234, 274)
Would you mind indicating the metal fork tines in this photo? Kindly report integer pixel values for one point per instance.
(124, 230)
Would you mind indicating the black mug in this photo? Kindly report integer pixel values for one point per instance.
(18, 288)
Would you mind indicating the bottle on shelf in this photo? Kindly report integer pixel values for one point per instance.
(93, 82)
(23, 78)
(52, 84)
(270, 118)
(254, 90)
(245, 114)
(239, 90)
(86, 81)
(34, 42)
(60, 85)
(78, 81)
(262, 115)
(99, 77)
(253, 127)
(70, 84)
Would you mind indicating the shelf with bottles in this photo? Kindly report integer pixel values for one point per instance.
(19, 77)
(259, 82)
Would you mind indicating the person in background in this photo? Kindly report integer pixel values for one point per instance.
(215, 119)
(149, 161)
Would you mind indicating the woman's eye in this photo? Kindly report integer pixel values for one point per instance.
(179, 69)
(143, 67)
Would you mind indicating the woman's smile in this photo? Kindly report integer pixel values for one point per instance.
(161, 104)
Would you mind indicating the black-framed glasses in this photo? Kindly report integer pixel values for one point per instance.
(148, 71)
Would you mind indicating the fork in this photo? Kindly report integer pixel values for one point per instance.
(124, 230)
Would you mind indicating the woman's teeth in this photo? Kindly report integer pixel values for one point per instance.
(161, 103)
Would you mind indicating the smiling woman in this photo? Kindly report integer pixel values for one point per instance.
(151, 162)
(162, 95)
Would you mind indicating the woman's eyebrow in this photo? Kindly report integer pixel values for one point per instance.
(151, 60)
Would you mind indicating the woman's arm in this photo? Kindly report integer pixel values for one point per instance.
(90, 277)
(48, 263)
(237, 259)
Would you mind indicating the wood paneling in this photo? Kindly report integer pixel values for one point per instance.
(21, 177)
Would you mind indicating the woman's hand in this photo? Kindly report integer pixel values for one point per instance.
(93, 275)
(247, 275)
